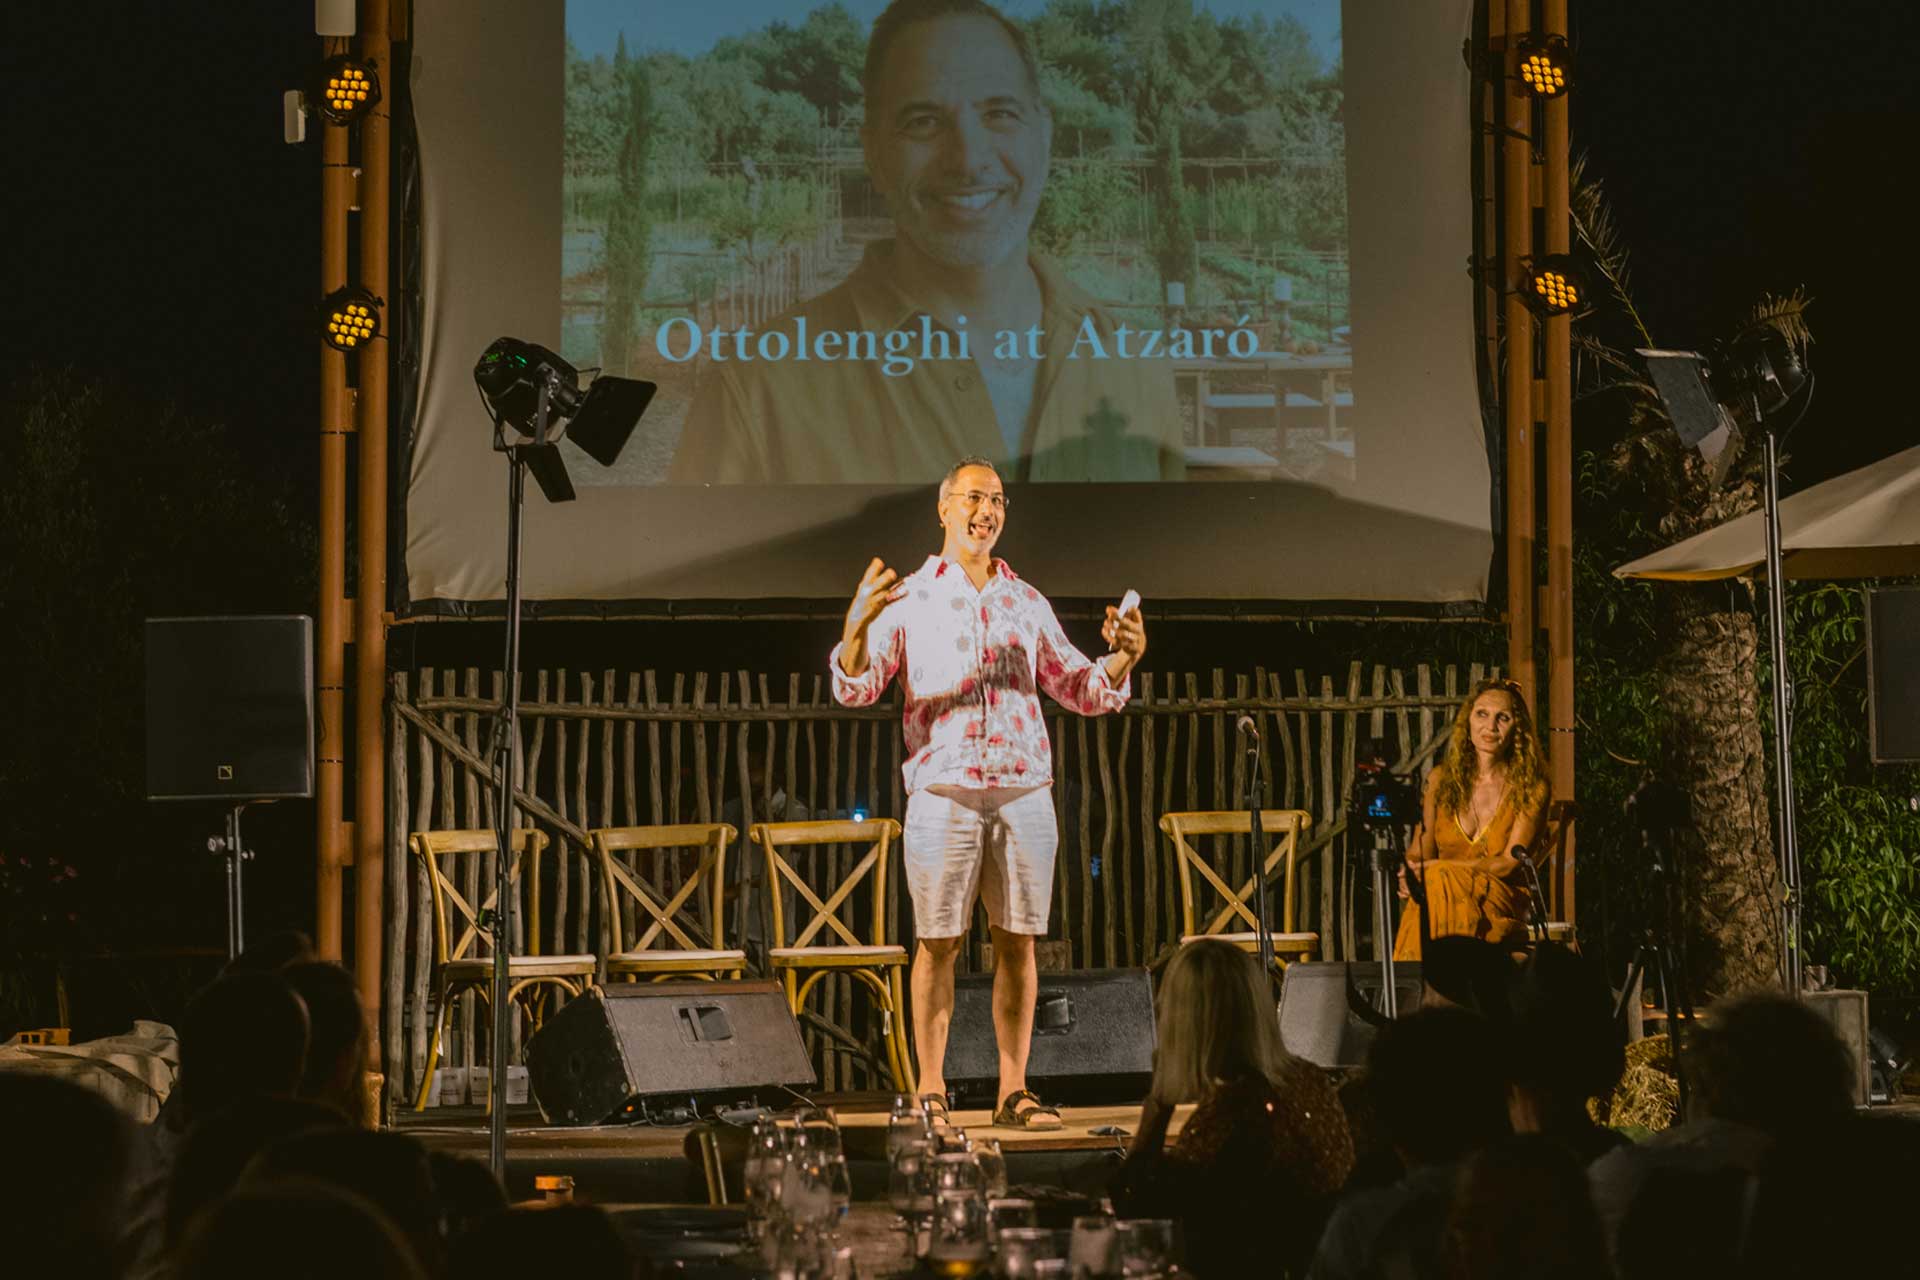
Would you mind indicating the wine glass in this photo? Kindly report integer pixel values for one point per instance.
(816, 1127)
(1022, 1249)
(956, 1171)
(1090, 1247)
(908, 1122)
(910, 1162)
(765, 1169)
(1005, 1215)
(1144, 1245)
(807, 1191)
(993, 1167)
(957, 1245)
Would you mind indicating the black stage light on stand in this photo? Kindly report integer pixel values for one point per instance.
(534, 399)
(350, 318)
(1545, 67)
(1754, 380)
(1553, 284)
(346, 89)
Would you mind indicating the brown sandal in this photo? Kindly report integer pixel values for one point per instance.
(1037, 1116)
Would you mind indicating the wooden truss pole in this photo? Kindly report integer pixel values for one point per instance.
(1517, 405)
(370, 594)
(1537, 398)
(360, 410)
(1557, 373)
(335, 610)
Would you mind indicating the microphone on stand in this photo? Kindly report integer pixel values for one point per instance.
(1247, 726)
(1519, 853)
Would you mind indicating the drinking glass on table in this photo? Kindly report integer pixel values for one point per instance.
(993, 1167)
(909, 1186)
(909, 1122)
(839, 1186)
(957, 1244)
(806, 1196)
(765, 1170)
(1090, 1247)
(1022, 1249)
(816, 1127)
(1007, 1215)
(957, 1171)
(1144, 1246)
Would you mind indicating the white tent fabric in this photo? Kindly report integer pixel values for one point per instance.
(1865, 524)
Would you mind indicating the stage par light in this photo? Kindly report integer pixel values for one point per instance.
(1553, 285)
(350, 319)
(348, 89)
(1545, 67)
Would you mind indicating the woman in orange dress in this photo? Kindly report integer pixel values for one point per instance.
(1484, 801)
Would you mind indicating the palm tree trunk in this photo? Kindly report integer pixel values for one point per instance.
(1716, 755)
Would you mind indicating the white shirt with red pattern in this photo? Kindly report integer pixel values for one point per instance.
(972, 663)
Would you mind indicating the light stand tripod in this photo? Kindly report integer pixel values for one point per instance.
(1786, 826)
(1386, 862)
(1655, 809)
(230, 847)
(1761, 375)
(530, 393)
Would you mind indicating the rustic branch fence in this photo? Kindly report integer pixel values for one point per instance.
(604, 749)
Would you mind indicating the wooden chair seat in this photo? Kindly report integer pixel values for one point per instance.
(481, 970)
(673, 925)
(675, 961)
(847, 912)
(1235, 920)
(463, 960)
(834, 957)
(1285, 943)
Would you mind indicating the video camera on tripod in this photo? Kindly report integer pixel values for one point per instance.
(1384, 806)
(1381, 800)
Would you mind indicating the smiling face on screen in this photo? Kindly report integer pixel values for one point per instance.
(957, 138)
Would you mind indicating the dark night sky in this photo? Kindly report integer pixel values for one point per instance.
(1750, 145)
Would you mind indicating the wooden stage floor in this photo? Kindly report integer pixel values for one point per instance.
(640, 1162)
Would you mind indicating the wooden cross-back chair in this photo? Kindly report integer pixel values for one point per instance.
(1235, 919)
(681, 934)
(867, 956)
(463, 961)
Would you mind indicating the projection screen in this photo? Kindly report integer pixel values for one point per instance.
(1193, 275)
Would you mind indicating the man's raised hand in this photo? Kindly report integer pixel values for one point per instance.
(879, 587)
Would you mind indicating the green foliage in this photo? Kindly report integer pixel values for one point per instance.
(628, 244)
(1083, 204)
(1859, 823)
(1175, 247)
(759, 217)
(1859, 826)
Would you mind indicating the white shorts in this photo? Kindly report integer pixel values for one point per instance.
(997, 841)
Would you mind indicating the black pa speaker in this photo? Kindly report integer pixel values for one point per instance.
(229, 708)
(620, 1046)
(1893, 675)
(1093, 1037)
(1317, 1021)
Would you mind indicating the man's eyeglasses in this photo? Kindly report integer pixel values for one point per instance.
(973, 498)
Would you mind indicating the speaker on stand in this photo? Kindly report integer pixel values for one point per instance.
(1893, 677)
(230, 718)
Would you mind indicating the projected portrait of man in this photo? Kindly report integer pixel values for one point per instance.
(953, 338)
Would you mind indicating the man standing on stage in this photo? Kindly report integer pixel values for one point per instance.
(974, 645)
